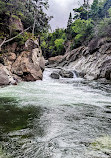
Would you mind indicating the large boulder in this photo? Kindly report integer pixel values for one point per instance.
(6, 77)
(30, 65)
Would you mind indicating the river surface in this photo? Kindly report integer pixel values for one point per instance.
(66, 118)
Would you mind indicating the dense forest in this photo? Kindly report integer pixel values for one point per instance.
(18, 16)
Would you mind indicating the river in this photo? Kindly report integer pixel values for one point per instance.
(65, 118)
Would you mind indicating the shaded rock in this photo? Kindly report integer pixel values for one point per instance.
(46, 63)
(66, 74)
(6, 77)
(81, 74)
(11, 47)
(106, 69)
(55, 75)
(8, 58)
(11, 57)
(31, 44)
(54, 60)
(93, 46)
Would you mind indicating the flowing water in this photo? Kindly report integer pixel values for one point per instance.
(66, 118)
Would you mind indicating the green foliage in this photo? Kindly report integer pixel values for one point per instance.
(95, 9)
(21, 39)
(80, 12)
(59, 44)
(24, 10)
(106, 7)
(109, 11)
(103, 28)
(52, 44)
(82, 29)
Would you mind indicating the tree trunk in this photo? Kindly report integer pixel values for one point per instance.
(33, 30)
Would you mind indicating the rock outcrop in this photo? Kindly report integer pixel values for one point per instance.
(92, 62)
(27, 66)
(30, 64)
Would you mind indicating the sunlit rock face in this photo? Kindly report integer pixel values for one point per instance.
(30, 63)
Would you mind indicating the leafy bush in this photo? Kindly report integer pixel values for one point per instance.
(59, 44)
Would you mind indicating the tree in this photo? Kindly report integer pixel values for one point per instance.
(59, 43)
(83, 30)
(40, 18)
(109, 12)
(69, 23)
(31, 12)
(106, 7)
(95, 10)
(83, 11)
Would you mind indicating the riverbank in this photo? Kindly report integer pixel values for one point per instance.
(92, 62)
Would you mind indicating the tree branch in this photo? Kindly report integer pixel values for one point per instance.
(6, 41)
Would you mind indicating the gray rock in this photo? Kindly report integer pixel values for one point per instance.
(55, 75)
(66, 74)
(6, 77)
(92, 63)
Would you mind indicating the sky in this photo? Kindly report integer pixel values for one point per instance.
(60, 10)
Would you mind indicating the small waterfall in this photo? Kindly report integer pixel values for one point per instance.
(75, 74)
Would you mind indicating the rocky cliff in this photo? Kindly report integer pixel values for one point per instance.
(92, 62)
(26, 66)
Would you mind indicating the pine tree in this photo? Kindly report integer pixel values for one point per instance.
(106, 7)
(95, 10)
(69, 21)
(83, 11)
